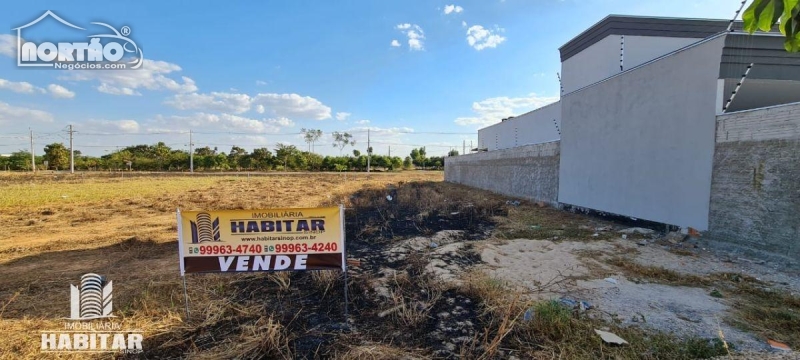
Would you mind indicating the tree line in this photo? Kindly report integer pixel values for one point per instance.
(160, 157)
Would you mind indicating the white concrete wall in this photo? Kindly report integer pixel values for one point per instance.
(535, 127)
(641, 144)
(601, 60)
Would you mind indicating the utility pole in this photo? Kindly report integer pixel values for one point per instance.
(470, 146)
(33, 157)
(464, 147)
(71, 153)
(390, 151)
(191, 153)
(369, 153)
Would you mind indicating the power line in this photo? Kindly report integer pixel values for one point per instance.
(380, 131)
(136, 134)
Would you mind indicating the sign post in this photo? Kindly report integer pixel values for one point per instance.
(344, 260)
(180, 255)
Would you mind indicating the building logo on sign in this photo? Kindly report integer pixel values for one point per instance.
(85, 332)
(204, 229)
(92, 300)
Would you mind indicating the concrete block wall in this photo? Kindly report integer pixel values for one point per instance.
(529, 171)
(755, 187)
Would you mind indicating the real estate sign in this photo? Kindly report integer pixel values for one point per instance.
(261, 240)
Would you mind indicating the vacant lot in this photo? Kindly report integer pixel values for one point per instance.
(441, 271)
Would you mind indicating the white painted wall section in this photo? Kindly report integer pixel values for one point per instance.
(601, 60)
(641, 144)
(535, 127)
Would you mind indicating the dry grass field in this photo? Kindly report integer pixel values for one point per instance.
(58, 227)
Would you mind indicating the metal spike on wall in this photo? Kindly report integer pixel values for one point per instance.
(558, 129)
(738, 85)
(560, 84)
(515, 136)
(621, 52)
(730, 25)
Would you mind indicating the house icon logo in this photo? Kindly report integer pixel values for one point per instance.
(109, 51)
(92, 299)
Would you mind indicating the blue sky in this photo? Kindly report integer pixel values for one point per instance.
(254, 73)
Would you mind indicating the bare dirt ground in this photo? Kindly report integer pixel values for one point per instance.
(574, 269)
(438, 271)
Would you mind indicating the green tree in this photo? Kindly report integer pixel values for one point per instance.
(397, 163)
(205, 151)
(356, 153)
(311, 136)
(342, 140)
(313, 161)
(20, 160)
(161, 154)
(290, 156)
(57, 156)
(408, 163)
(418, 156)
(453, 152)
(764, 14)
(236, 157)
(261, 159)
(221, 162)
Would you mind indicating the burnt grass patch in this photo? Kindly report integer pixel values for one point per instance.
(419, 313)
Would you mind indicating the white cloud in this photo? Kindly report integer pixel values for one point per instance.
(8, 45)
(15, 114)
(379, 131)
(280, 105)
(463, 23)
(481, 38)
(19, 87)
(261, 82)
(415, 36)
(281, 121)
(341, 116)
(216, 101)
(105, 88)
(22, 87)
(113, 126)
(395, 43)
(452, 9)
(492, 110)
(221, 122)
(151, 76)
(293, 105)
(58, 91)
(379, 136)
(362, 122)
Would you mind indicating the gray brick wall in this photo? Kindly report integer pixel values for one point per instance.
(529, 172)
(755, 187)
